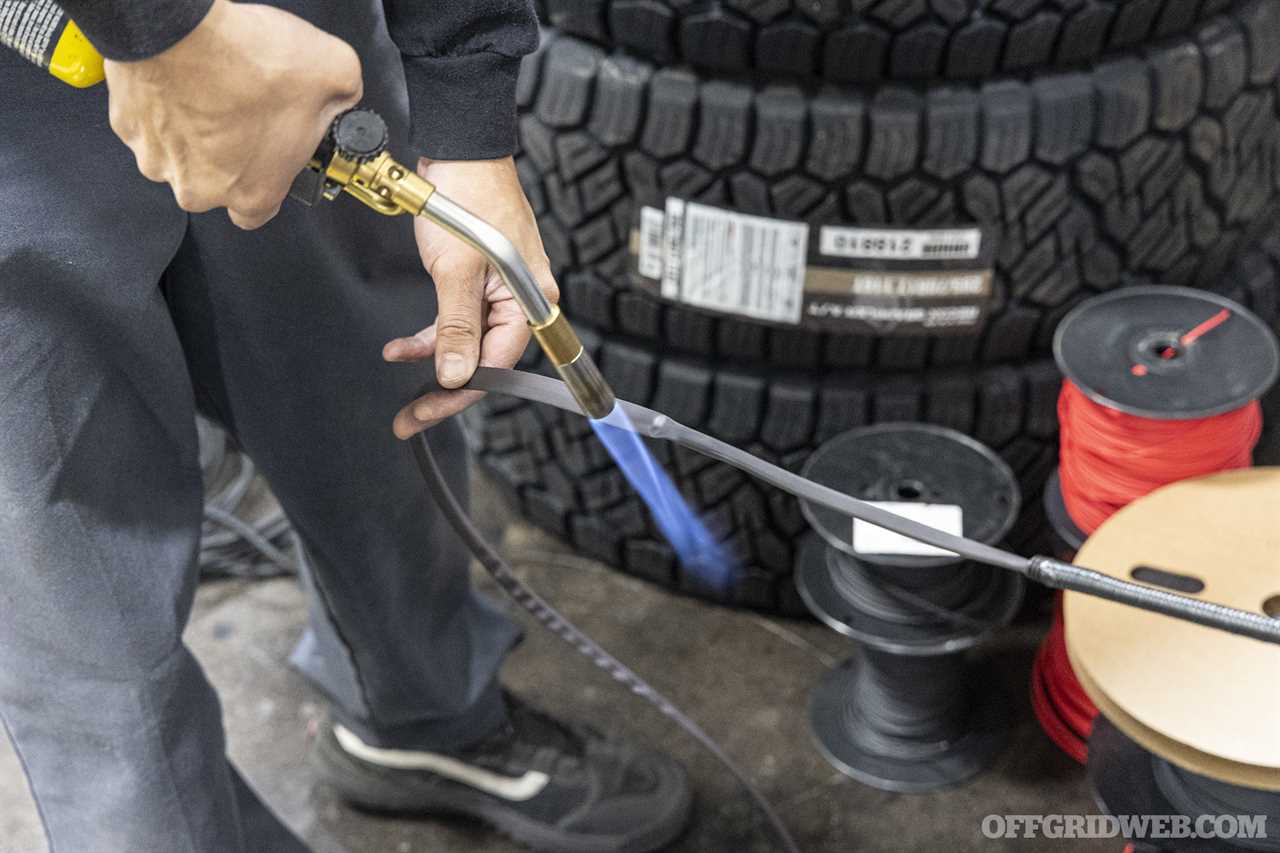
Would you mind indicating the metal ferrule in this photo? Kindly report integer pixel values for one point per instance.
(557, 338)
(570, 359)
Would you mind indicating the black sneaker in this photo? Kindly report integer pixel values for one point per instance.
(543, 783)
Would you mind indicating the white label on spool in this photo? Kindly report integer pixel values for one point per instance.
(872, 539)
(900, 244)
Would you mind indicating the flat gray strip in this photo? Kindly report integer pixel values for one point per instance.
(647, 422)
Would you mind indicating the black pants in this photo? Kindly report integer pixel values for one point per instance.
(119, 314)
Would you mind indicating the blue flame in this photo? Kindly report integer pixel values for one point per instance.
(703, 557)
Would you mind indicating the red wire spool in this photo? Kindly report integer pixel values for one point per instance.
(1161, 385)
(1108, 459)
(1059, 702)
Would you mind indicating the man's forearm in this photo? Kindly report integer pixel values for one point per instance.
(135, 29)
(461, 60)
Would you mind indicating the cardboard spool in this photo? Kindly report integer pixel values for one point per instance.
(1202, 699)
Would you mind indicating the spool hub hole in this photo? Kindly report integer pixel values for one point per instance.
(1167, 349)
(909, 490)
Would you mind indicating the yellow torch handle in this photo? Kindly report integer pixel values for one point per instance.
(74, 60)
(40, 31)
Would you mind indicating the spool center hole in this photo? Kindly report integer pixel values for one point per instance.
(1271, 606)
(909, 490)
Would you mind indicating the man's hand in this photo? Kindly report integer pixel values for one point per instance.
(478, 322)
(230, 114)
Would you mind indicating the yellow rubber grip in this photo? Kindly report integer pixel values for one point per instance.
(75, 60)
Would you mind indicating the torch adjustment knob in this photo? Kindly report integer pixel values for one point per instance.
(359, 135)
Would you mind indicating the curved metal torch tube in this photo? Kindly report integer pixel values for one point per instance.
(647, 422)
(550, 328)
(495, 246)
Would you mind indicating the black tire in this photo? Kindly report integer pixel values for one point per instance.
(1157, 167)
(866, 41)
(561, 478)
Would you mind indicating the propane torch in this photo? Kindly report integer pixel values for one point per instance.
(353, 159)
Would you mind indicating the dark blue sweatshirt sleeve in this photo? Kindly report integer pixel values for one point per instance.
(135, 29)
(461, 60)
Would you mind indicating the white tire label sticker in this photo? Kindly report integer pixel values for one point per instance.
(899, 244)
(732, 262)
(878, 281)
(872, 539)
(672, 241)
(651, 251)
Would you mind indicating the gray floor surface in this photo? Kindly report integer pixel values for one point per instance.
(743, 676)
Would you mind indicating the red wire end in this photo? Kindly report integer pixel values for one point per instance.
(1205, 328)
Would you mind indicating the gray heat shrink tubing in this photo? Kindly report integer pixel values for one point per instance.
(1044, 570)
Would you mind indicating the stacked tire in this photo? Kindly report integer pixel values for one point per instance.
(1094, 143)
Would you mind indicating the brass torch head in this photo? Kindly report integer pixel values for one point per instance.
(381, 183)
(353, 159)
(574, 364)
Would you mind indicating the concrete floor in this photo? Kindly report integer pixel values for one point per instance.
(744, 677)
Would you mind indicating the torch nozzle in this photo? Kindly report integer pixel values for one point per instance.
(575, 365)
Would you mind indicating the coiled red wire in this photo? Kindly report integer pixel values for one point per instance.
(1060, 704)
(1108, 459)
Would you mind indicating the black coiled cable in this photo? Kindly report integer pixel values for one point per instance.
(245, 532)
(1196, 795)
(556, 623)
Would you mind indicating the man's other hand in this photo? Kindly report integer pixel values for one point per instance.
(230, 114)
(479, 321)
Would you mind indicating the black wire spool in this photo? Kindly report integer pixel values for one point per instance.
(1068, 537)
(908, 713)
(1129, 780)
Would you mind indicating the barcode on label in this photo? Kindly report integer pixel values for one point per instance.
(672, 243)
(649, 260)
(736, 263)
(900, 244)
(872, 539)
